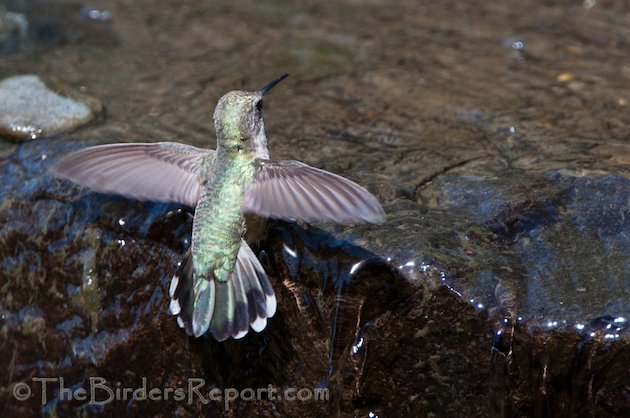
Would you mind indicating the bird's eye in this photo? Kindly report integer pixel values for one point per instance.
(259, 105)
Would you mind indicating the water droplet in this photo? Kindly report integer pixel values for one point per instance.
(357, 346)
(94, 14)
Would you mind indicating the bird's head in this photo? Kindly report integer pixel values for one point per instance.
(239, 123)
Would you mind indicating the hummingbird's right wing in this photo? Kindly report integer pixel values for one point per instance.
(161, 171)
(293, 190)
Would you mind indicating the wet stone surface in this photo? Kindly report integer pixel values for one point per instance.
(496, 136)
(30, 110)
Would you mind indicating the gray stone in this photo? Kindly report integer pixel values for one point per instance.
(29, 110)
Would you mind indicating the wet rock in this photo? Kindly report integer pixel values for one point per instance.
(29, 110)
(548, 258)
(384, 342)
(558, 243)
(66, 298)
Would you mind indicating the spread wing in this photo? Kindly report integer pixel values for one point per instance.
(293, 190)
(162, 171)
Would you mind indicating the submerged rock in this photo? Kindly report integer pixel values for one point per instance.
(553, 248)
(13, 31)
(30, 110)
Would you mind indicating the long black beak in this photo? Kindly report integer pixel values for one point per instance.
(272, 84)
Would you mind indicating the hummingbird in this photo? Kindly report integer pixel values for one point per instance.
(220, 286)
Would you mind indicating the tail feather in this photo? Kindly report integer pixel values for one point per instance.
(241, 311)
(181, 292)
(252, 287)
(223, 319)
(205, 299)
(258, 290)
(224, 308)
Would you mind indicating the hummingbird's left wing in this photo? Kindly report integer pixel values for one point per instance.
(293, 190)
(161, 171)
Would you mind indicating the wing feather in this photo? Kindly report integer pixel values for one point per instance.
(162, 171)
(293, 190)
